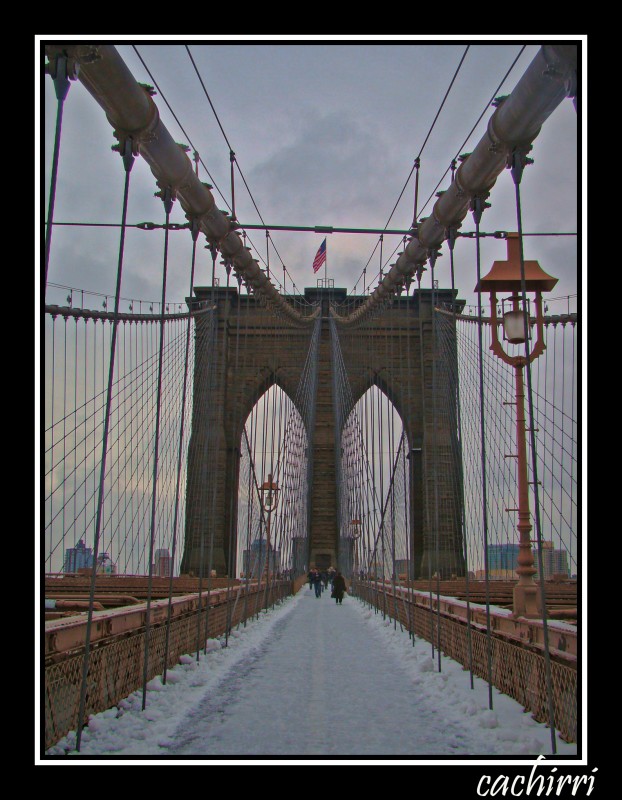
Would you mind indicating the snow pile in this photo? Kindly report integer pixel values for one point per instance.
(126, 729)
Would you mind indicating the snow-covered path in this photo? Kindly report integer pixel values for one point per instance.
(310, 679)
(324, 683)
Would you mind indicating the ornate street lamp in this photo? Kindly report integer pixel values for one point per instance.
(505, 276)
(269, 494)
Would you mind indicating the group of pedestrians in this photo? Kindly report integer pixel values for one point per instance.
(320, 580)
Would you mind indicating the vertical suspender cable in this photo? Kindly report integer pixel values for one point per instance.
(381, 454)
(167, 198)
(249, 569)
(554, 394)
(61, 87)
(417, 165)
(478, 209)
(282, 542)
(212, 365)
(261, 520)
(125, 445)
(107, 477)
(232, 161)
(370, 519)
(205, 458)
(424, 460)
(133, 360)
(52, 425)
(234, 466)
(394, 459)
(410, 456)
(451, 240)
(382, 500)
(272, 577)
(75, 422)
(219, 381)
(64, 428)
(572, 441)
(86, 434)
(432, 260)
(262, 477)
(518, 164)
(249, 563)
(374, 538)
(194, 231)
(563, 432)
(128, 160)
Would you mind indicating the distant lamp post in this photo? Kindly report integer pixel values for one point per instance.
(505, 276)
(355, 535)
(269, 502)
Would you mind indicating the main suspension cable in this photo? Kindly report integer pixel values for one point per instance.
(487, 106)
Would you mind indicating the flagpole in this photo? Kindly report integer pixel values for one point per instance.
(326, 268)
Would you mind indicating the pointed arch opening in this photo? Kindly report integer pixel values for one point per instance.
(374, 496)
(272, 501)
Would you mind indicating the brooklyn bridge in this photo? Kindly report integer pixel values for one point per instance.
(202, 454)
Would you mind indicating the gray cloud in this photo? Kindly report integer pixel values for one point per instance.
(325, 135)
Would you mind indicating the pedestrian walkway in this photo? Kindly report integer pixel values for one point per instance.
(312, 679)
(326, 681)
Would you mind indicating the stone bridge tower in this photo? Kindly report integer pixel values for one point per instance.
(226, 389)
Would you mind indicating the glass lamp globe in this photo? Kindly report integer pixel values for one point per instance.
(514, 326)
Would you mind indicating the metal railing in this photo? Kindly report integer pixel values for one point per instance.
(116, 663)
(518, 668)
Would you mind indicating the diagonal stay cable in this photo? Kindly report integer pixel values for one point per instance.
(168, 105)
(494, 94)
(231, 151)
(209, 100)
(212, 179)
(428, 135)
(440, 108)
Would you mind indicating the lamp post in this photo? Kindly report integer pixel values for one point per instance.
(505, 276)
(269, 502)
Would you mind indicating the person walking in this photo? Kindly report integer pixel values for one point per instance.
(339, 587)
(317, 583)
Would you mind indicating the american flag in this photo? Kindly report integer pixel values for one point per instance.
(320, 257)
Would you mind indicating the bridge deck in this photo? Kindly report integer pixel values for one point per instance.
(322, 680)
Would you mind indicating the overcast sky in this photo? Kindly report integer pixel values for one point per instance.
(325, 134)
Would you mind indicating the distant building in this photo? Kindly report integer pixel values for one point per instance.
(503, 561)
(163, 564)
(105, 565)
(554, 562)
(254, 561)
(78, 557)
(502, 558)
